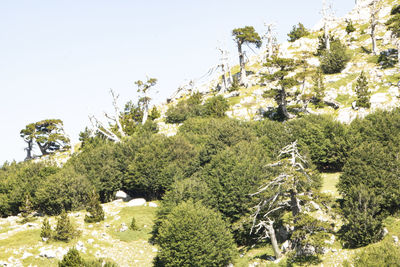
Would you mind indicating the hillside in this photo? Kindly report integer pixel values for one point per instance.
(219, 177)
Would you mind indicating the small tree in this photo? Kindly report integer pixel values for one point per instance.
(246, 35)
(350, 27)
(96, 212)
(27, 207)
(216, 106)
(46, 232)
(318, 88)
(363, 95)
(297, 32)
(133, 225)
(335, 59)
(193, 235)
(64, 229)
(72, 259)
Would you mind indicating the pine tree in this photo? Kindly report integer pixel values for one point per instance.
(27, 207)
(96, 212)
(318, 88)
(72, 259)
(64, 230)
(363, 95)
(133, 225)
(46, 229)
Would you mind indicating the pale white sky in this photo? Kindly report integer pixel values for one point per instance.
(58, 59)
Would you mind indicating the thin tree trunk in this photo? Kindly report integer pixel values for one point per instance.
(373, 37)
(282, 103)
(294, 203)
(145, 113)
(274, 242)
(241, 63)
(225, 87)
(29, 150)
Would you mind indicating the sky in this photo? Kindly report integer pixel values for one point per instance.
(58, 59)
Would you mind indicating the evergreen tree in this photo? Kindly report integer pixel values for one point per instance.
(27, 207)
(335, 59)
(318, 88)
(245, 35)
(72, 259)
(133, 225)
(64, 229)
(96, 212)
(297, 32)
(350, 27)
(46, 232)
(284, 66)
(363, 95)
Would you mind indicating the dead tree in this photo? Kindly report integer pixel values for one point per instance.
(112, 120)
(270, 39)
(280, 193)
(327, 15)
(226, 72)
(374, 8)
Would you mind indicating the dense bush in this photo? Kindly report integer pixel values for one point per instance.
(297, 32)
(216, 107)
(323, 138)
(185, 109)
(363, 221)
(64, 231)
(72, 259)
(95, 210)
(350, 27)
(65, 190)
(193, 235)
(335, 59)
(388, 58)
(158, 163)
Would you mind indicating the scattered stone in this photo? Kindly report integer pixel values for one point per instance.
(334, 250)
(136, 202)
(90, 241)
(155, 250)
(315, 205)
(80, 247)
(25, 255)
(286, 246)
(107, 225)
(123, 228)
(384, 232)
(395, 239)
(153, 205)
(90, 226)
(44, 239)
(49, 254)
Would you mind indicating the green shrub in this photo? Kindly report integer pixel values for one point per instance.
(362, 91)
(335, 59)
(46, 229)
(65, 231)
(72, 259)
(216, 107)
(350, 27)
(193, 235)
(297, 32)
(96, 212)
(388, 58)
(133, 225)
(361, 213)
(385, 254)
(185, 109)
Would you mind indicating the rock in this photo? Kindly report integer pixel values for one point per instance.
(153, 205)
(155, 250)
(122, 195)
(354, 105)
(123, 228)
(90, 226)
(136, 202)
(334, 250)
(331, 241)
(384, 232)
(80, 247)
(232, 94)
(44, 239)
(49, 254)
(315, 205)
(25, 255)
(395, 239)
(286, 246)
(90, 241)
(107, 225)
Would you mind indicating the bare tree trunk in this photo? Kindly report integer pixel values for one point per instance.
(225, 87)
(145, 113)
(274, 242)
(294, 203)
(282, 103)
(373, 27)
(242, 64)
(29, 149)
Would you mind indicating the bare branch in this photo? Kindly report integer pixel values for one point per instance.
(101, 128)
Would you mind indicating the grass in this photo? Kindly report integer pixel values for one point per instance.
(329, 182)
(144, 217)
(261, 254)
(345, 99)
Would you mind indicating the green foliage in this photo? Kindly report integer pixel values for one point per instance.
(309, 233)
(216, 107)
(350, 27)
(385, 254)
(72, 259)
(235, 86)
(46, 229)
(388, 58)
(335, 59)
(65, 190)
(363, 95)
(133, 225)
(96, 212)
(363, 223)
(297, 32)
(393, 24)
(158, 163)
(185, 109)
(248, 35)
(323, 138)
(193, 235)
(47, 134)
(154, 113)
(65, 231)
(318, 88)
(27, 208)
(322, 44)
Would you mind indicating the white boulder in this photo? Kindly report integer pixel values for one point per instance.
(136, 202)
(122, 195)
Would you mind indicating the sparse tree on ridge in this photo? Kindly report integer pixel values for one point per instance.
(144, 100)
(246, 35)
(48, 135)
